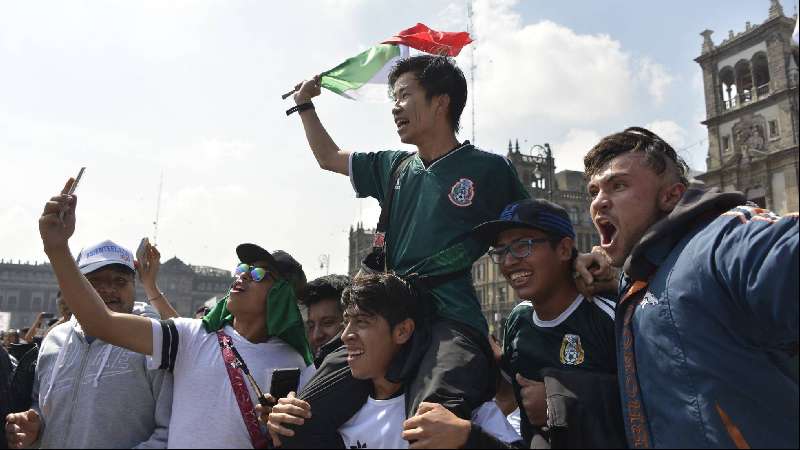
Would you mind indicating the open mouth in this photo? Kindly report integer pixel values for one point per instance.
(400, 123)
(608, 231)
(238, 286)
(519, 278)
(353, 355)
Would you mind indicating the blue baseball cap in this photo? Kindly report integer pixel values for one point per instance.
(530, 213)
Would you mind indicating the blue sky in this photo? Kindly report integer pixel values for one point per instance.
(191, 89)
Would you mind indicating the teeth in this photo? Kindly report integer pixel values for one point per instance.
(518, 275)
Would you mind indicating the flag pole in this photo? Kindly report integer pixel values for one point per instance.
(473, 67)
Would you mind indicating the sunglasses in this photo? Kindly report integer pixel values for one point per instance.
(256, 273)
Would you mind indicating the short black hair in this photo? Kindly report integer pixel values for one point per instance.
(438, 75)
(327, 287)
(659, 155)
(383, 294)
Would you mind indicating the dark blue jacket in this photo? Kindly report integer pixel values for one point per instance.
(716, 334)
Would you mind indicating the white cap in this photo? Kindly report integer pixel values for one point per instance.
(104, 254)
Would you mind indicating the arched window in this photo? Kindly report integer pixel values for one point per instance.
(728, 86)
(761, 74)
(744, 81)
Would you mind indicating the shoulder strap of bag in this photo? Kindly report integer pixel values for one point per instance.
(246, 408)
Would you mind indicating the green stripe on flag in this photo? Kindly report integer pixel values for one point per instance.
(358, 70)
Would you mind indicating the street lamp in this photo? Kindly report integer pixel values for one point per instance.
(547, 165)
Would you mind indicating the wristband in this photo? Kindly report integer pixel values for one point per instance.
(300, 108)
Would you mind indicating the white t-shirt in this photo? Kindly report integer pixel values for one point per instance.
(379, 424)
(205, 413)
(515, 420)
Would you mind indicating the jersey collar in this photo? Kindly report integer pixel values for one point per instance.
(443, 157)
(561, 318)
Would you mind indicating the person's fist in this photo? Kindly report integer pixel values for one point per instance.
(434, 426)
(57, 223)
(290, 410)
(307, 90)
(594, 273)
(22, 429)
(534, 400)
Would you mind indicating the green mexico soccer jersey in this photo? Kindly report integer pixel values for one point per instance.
(436, 207)
(582, 338)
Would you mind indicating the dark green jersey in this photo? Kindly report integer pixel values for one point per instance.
(436, 207)
(581, 338)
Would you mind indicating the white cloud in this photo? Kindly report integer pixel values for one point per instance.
(655, 78)
(674, 134)
(545, 70)
(570, 151)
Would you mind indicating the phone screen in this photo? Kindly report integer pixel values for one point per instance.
(283, 382)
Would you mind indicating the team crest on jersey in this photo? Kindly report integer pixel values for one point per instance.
(462, 193)
(571, 350)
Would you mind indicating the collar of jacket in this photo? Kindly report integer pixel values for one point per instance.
(698, 205)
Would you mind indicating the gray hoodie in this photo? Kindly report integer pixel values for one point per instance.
(96, 395)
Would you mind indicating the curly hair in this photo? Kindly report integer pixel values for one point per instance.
(658, 155)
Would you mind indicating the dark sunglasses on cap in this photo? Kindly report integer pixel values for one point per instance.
(256, 273)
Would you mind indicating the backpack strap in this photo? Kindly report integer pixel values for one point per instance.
(379, 242)
(397, 169)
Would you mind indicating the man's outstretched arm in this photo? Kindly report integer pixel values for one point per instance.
(123, 330)
(329, 156)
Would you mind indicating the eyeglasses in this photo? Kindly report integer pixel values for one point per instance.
(518, 249)
(256, 273)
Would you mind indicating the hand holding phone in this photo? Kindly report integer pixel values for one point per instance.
(141, 255)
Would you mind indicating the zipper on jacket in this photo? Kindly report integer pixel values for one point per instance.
(75, 391)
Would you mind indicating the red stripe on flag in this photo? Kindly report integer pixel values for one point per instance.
(431, 41)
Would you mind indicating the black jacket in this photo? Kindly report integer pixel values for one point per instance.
(583, 411)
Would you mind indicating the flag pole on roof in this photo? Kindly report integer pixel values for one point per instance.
(365, 75)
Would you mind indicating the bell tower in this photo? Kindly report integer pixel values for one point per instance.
(751, 97)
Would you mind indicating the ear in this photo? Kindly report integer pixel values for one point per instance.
(564, 249)
(670, 196)
(442, 103)
(403, 331)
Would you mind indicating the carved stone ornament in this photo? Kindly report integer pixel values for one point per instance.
(749, 136)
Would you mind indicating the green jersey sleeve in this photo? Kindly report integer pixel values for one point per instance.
(370, 172)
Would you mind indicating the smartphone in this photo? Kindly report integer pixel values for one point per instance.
(283, 382)
(72, 190)
(141, 254)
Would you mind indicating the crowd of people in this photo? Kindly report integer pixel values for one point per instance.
(679, 330)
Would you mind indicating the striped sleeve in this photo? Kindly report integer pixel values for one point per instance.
(165, 345)
(606, 305)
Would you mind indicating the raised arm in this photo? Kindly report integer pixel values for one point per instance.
(123, 330)
(329, 156)
(148, 274)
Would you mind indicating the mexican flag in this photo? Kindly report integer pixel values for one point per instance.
(365, 76)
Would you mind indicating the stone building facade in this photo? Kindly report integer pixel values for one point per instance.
(751, 96)
(537, 172)
(28, 289)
